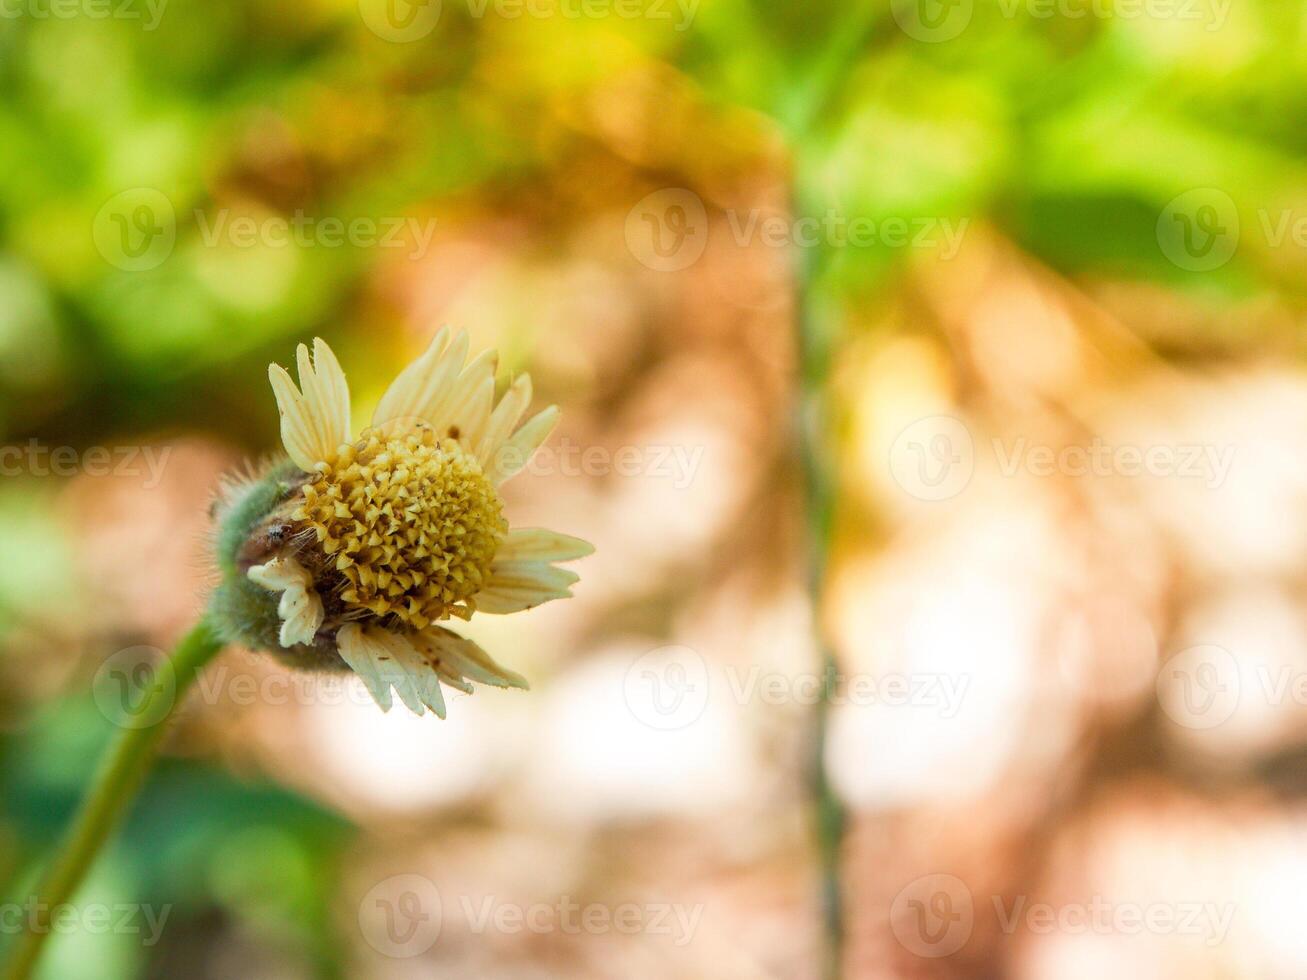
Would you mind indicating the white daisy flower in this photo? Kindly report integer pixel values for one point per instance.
(368, 544)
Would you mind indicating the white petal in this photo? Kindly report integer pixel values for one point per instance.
(363, 656)
(518, 585)
(504, 418)
(421, 677)
(314, 416)
(298, 433)
(463, 658)
(475, 415)
(454, 679)
(516, 452)
(279, 574)
(384, 660)
(422, 384)
(300, 607)
(464, 406)
(334, 391)
(301, 613)
(540, 544)
(396, 669)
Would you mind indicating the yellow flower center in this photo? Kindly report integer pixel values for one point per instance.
(411, 523)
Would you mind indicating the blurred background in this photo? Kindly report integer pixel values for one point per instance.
(943, 355)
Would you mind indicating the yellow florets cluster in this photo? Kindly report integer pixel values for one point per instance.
(410, 522)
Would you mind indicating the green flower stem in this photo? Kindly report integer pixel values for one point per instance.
(120, 776)
(818, 326)
(815, 328)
